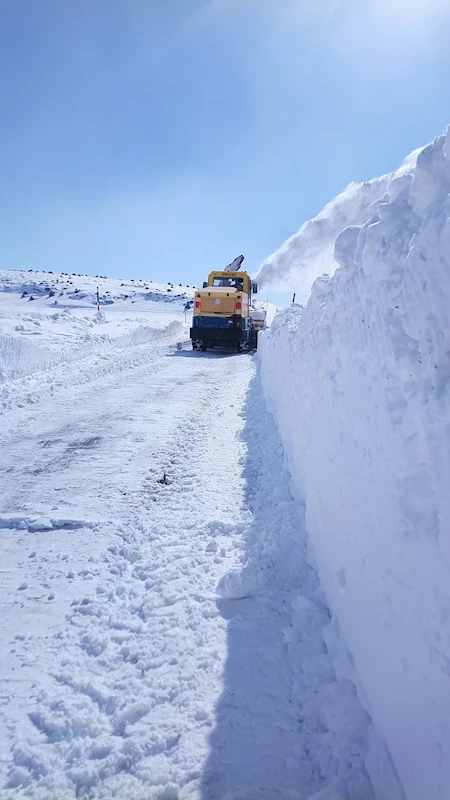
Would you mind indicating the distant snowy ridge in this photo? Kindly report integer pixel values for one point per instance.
(359, 383)
(310, 252)
(48, 319)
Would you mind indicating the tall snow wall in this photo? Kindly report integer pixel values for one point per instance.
(359, 383)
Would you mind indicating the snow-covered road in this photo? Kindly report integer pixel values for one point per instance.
(161, 640)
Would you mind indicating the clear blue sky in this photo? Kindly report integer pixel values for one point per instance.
(161, 138)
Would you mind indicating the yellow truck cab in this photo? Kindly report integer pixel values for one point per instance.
(222, 311)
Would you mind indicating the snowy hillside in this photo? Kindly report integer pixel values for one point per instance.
(359, 383)
(47, 318)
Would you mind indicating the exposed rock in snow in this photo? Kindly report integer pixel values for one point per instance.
(32, 341)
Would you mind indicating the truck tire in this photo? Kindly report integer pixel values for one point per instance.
(197, 344)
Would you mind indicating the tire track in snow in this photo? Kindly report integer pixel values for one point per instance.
(131, 696)
(158, 687)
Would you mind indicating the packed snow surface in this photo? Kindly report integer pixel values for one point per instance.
(162, 634)
(359, 382)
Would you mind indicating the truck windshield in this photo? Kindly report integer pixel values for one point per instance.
(230, 283)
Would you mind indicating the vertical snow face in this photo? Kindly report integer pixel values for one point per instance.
(359, 382)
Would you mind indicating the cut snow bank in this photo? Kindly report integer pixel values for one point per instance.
(19, 357)
(359, 382)
(310, 252)
(47, 318)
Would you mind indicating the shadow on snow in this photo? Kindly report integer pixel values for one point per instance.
(272, 739)
(257, 720)
(216, 353)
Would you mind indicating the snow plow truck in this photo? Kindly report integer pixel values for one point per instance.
(223, 313)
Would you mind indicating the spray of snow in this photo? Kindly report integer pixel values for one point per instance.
(359, 382)
(310, 252)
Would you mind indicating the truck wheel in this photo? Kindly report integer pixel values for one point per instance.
(197, 344)
(243, 347)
